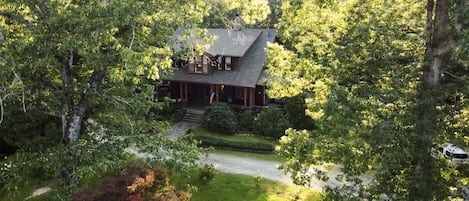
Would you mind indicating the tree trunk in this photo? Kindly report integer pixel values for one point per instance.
(73, 118)
(439, 43)
(439, 40)
(67, 97)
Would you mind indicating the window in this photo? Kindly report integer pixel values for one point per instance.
(198, 64)
(447, 154)
(219, 63)
(227, 63)
(214, 62)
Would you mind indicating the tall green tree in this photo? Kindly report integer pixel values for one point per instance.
(382, 92)
(223, 13)
(82, 59)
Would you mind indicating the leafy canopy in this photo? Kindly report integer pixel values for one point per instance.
(362, 61)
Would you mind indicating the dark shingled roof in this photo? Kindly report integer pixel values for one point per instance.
(250, 66)
(227, 42)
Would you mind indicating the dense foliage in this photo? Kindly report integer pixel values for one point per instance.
(135, 183)
(296, 111)
(222, 13)
(271, 122)
(246, 120)
(72, 67)
(220, 117)
(387, 80)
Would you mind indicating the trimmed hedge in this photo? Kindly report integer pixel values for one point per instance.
(258, 147)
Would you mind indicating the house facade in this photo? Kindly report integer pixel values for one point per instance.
(230, 70)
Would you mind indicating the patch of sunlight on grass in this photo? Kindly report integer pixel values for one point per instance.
(293, 193)
(236, 187)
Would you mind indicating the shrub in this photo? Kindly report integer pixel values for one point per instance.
(85, 194)
(136, 183)
(246, 120)
(259, 147)
(113, 189)
(271, 122)
(296, 107)
(166, 109)
(207, 173)
(221, 118)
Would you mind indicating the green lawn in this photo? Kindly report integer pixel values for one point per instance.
(234, 187)
(237, 137)
(22, 190)
(260, 156)
(224, 187)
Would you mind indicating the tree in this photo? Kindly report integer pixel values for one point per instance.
(82, 59)
(381, 95)
(222, 13)
(296, 110)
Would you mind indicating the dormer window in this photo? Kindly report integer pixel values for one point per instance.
(219, 65)
(227, 63)
(198, 65)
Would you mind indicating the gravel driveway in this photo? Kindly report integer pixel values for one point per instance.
(248, 166)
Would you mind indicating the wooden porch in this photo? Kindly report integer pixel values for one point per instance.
(206, 94)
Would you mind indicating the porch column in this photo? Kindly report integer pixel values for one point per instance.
(245, 96)
(185, 92)
(263, 96)
(217, 93)
(212, 91)
(181, 95)
(252, 104)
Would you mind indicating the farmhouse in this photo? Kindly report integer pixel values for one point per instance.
(230, 69)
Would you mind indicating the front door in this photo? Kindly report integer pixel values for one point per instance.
(198, 95)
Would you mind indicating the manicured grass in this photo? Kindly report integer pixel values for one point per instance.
(224, 187)
(234, 187)
(237, 137)
(268, 157)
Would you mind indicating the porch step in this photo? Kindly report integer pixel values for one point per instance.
(196, 116)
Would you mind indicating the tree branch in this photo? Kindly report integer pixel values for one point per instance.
(133, 38)
(429, 22)
(450, 74)
(6, 14)
(11, 88)
(444, 48)
(12, 16)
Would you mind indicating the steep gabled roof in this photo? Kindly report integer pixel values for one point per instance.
(232, 43)
(249, 69)
(227, 42)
